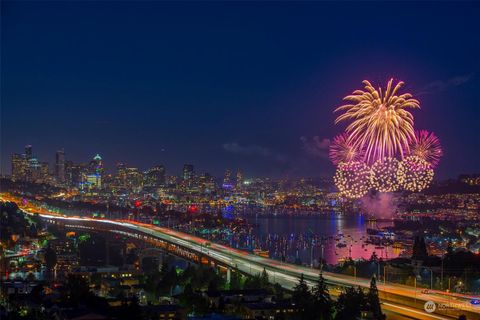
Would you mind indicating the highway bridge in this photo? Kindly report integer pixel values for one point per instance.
(402, 301)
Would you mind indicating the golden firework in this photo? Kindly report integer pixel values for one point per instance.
(381, 126)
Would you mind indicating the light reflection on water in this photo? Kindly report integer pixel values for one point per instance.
(300, 231)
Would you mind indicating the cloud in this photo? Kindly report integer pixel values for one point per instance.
(441, 85)
(316, 146)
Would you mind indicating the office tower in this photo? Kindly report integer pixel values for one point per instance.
(134, 179)
(68, 172)
(188, 172)
(94, 181)
(19, 167)
(239, 178)
(60, 166)
(227, 177)
(155, 176)
(121, 177)
(44, 172)
(206, 183)
(76, 174)
(33, 171)
(28, 152)
(96, 165)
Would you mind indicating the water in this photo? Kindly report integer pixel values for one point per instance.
(303, 237)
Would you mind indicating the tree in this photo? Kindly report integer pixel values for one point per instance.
(419, 248)
(373, 301)
(253, 282)
(302, 298)
(235, 280)
(350, 304)
(264, 283)
(213, 285)
(322, 301)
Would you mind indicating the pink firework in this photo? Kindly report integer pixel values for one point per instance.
(343, 150)
(427, 147)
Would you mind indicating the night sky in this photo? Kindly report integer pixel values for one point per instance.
(229, 85)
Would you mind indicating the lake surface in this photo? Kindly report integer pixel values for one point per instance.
(303, 237)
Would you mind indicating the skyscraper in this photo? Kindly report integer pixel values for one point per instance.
(155, 176)
(188, 172)
(239, 178)
(121, 178)
(19, 167)
(134, 179)
(96, 165)
(60, 166)
(227, 177)
(28, 152)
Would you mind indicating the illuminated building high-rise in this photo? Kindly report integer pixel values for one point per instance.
(96, 165)
(33, 172)
(155, 176)
(134, 179)
(121, 178)
(19, 167)
(28, 152)
(227, 178)
(44, 173)
(188, 172)
(60, 166)
(239, 178)
(93, 179)
(76, 174)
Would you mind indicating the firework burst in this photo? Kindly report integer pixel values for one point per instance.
(381, 125)
(343, 150)
(385, 175)
(426, 146)
(415, 174)
(352, 179)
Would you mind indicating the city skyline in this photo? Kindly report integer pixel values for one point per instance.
(57, 167)
(240, 90)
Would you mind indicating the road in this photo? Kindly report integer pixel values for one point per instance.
(397, 299)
